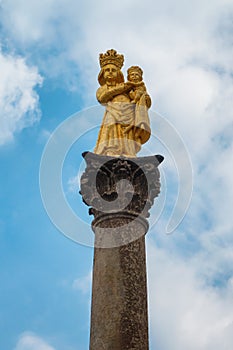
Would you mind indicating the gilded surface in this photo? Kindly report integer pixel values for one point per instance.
(125, 126)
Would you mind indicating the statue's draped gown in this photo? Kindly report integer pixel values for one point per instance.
(120, 133)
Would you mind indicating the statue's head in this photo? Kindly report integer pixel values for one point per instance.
(111, 63)
(134, 73)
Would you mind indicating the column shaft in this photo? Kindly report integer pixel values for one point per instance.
(119, 317)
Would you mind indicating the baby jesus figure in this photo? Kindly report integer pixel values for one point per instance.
(139, 96)
(134, 75)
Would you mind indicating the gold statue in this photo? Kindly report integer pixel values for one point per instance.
(125, 126)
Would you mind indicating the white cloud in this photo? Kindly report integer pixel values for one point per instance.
(73, 183)
(30, 341)
(29, 21)
(44, 135)
(185, 313)
(18, 99)
(83, 284)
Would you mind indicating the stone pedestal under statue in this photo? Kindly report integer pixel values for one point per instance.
(120, 191)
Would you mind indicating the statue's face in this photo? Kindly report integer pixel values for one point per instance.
(110, 73)
(135, 76)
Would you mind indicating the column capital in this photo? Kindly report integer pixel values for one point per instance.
(114, 185)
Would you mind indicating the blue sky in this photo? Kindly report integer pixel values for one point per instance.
(49, 67)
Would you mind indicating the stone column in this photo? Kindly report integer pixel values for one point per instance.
(120, 192)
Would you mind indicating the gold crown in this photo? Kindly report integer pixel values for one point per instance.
(111, 56)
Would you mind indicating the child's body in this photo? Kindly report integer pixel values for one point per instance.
(135, 76)
(139, 96)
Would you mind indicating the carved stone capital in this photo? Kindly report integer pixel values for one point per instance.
(114, 185)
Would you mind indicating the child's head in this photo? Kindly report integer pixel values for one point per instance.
(134, 74)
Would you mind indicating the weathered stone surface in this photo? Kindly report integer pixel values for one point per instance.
(119, 294)
(120, 192)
